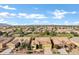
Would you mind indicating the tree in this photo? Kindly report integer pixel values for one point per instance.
(47, 32)
(19, 31)
(63, 32)
(74, 33)
(5, 34)
(40, 46)
(23, 45)
(70, 36)
(1, 33)
(29, 45)
(32, 28)
(53, 33)
(55, 28)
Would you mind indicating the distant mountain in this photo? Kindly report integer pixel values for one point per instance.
(3, 24)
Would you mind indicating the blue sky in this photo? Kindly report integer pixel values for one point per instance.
(39, 14)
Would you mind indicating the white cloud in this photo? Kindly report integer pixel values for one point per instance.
(60, 14)
(71, 23)
(22, 15)
(66, 23)
(74, 12)
(76, 23)
(40, 22)
(7, 7)
(7, 22)
(12, 14)
(6, 15)
(36, 22)
(32, 16)
(13, 23)
(37, 16)
(3, 21)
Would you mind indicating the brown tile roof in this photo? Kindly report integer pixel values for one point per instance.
(60, 40)
(75, 40)
(43, 40)
(4, 40)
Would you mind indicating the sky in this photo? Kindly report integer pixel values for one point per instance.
(39, 14)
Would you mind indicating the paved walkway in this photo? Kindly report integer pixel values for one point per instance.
(62, 51)
(7, 51)
(47, 51)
